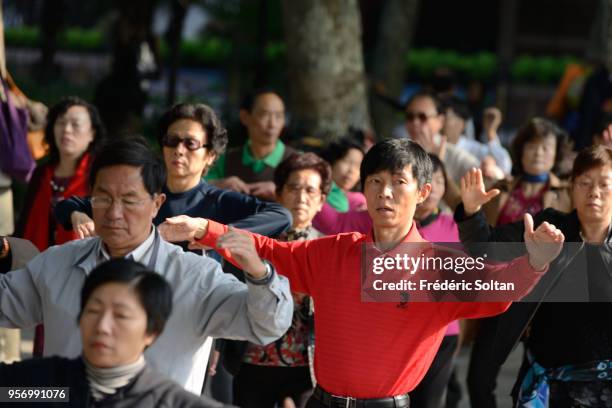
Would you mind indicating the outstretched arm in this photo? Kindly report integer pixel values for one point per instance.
(300, 261)
(249, 213)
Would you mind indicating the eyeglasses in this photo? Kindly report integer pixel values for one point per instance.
(189, 142)
(297, 189)
(588, 185)
(104, 203)
(421, 116)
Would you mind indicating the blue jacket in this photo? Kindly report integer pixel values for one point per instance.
(205, 201)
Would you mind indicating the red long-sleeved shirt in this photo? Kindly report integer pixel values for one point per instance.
(365, 349)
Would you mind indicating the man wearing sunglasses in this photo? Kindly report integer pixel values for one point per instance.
(249, 168)
(424, 121)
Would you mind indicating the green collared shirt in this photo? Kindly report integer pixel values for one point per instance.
(337, 199)
(257, 165)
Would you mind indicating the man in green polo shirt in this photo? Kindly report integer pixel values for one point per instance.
(249, 169)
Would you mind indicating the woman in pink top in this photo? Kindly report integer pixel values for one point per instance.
(436, 226)
(345, 158)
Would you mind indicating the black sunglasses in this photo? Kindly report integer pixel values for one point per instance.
(189, 142)
(421, 116)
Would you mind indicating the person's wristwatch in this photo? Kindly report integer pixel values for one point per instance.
(267, 278)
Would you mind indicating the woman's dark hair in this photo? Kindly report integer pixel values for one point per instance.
(59, 109)
(302, 161)
(338, 150)
(590, 158)
(536, 129)
(200, 113)
(248, 102)
(395, 154)
(457, 106)
(438, 165)
(131, 151)
(154, 293)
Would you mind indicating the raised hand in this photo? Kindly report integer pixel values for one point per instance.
(606, 136)
(82, 225)
(183, 228)
(491, 119)
(473, 192)
(242, 249)
(428, 141)
(544, 244)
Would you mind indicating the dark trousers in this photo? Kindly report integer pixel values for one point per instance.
(431, 391)
(483, 369)
(453, 392)
(221, 384)
(261, 386)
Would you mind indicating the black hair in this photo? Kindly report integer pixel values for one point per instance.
(58, 110)
(200, 113)
(425, 94)
(338, 150)
(437, 164)
(303, 161)
(395, 154)
(131, 151)
(154, 292)
(458, 106)
(590, 158)
(248, 102)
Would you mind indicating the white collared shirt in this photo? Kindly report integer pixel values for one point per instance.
(142, 253)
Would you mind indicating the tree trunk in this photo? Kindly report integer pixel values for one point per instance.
(52, 21)
(261, 67)
(174, 37)
(508, 17)
(604, 34)
(122, 95)
(326, 69)
(397, 27)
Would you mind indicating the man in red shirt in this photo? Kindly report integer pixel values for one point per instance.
(367, 353)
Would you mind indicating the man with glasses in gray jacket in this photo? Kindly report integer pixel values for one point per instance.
(126, 180)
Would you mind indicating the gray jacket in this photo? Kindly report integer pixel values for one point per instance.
(207, 303)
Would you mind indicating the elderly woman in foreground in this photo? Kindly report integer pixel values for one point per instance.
(124, 308)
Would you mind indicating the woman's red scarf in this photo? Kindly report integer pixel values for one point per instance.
(37, 225)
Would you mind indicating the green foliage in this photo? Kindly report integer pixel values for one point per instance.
(531, 69)
(483, 65)
(207, 52)
(22, 37)
(79, 39)
(215, 50)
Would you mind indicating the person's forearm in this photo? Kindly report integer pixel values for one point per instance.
(64, 209)
(290, 259)
(270, 219)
